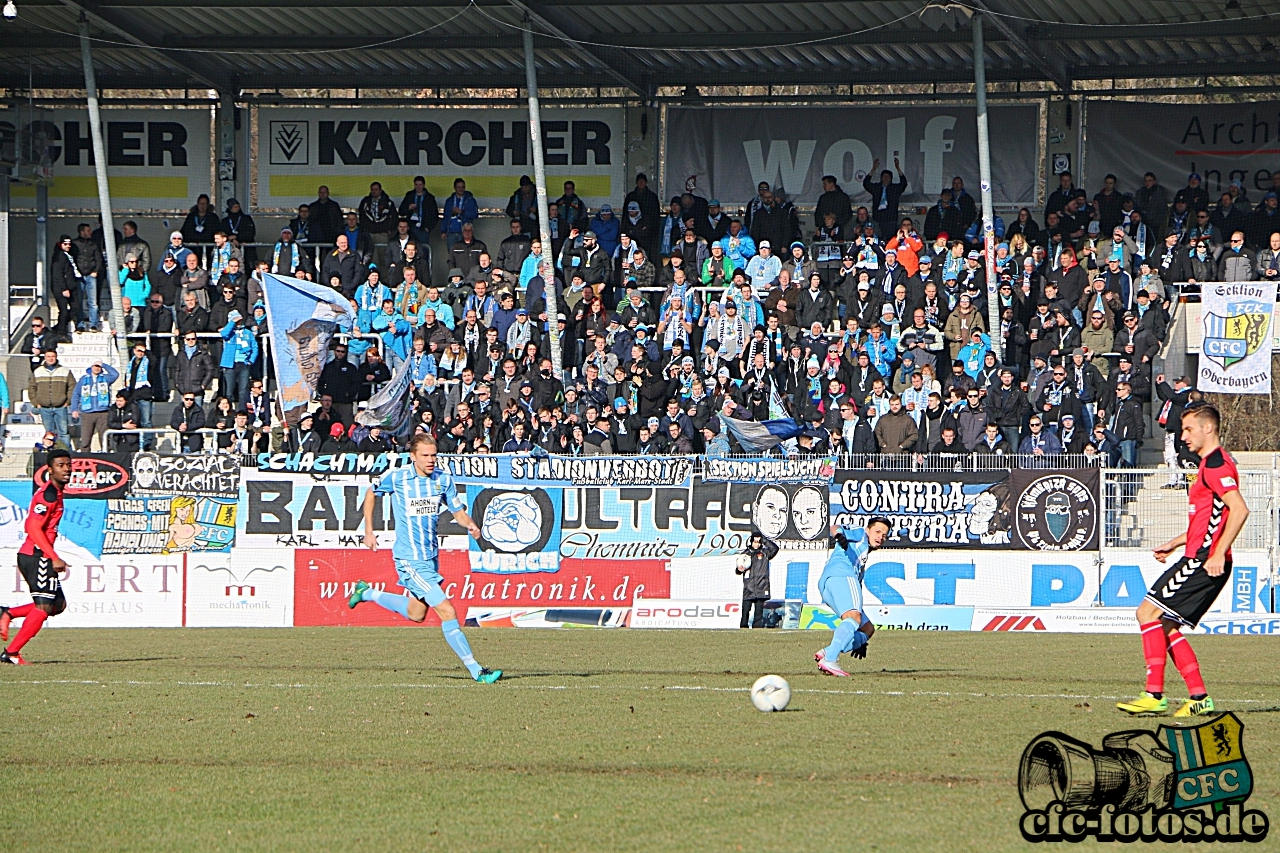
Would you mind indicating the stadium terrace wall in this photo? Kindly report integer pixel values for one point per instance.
(198, 541)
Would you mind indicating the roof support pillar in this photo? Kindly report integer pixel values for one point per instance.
(984, 172)
(547, 263)
(104, 190)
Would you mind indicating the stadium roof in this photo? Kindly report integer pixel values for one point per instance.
(232, 45)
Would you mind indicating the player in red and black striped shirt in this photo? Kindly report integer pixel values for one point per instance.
(39, 562)
(1181, 596)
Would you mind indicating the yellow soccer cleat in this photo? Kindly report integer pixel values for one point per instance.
(1145, 705)
(1195, 708)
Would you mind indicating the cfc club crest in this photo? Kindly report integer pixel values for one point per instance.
(1239, 334)
(1208, 762)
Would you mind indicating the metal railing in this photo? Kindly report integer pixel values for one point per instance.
(177, 437)
(969, 462)
(1140, 511)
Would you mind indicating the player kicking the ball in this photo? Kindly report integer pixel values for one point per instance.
(419, 493)
(1184, 592)
(841, 589)
(39, 563)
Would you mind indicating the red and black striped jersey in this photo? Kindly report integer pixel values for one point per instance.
(1207, 512)
(42, 520)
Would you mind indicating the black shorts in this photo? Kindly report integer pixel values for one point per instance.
(42, 578)
(1186, 591)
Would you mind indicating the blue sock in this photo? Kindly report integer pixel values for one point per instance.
(843, 634)
(857, 641)
(391, 601)
(458, 642)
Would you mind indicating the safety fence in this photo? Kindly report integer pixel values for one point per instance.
(1143, 508)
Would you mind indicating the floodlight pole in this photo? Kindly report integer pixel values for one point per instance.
(104, 191)
(4, 258)
(984, 170)
(544, 216)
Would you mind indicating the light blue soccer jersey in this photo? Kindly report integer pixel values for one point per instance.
(854, 564)
(416, 503)
(841, 582)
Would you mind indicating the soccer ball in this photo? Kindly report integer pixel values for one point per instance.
(770, 693)
(744, 562)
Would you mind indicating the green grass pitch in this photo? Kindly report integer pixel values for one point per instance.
(373, 739)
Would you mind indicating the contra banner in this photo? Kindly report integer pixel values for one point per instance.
(347, 149)
(1235, 352)
(157, 159)
(1220, 142)
(928, 509)
(727, 151)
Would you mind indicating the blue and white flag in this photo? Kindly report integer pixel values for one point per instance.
(392, 406)
(756, 436)
(1238, 336)
(301, 317)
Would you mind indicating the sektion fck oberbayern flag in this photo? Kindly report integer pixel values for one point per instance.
(1235, 356)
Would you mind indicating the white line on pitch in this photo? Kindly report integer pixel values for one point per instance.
(618, 688)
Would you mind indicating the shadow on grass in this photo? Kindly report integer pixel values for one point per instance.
(109, 660)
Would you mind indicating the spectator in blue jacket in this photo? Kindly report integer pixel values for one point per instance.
(90, 400)
(369, 299)
(738, 246)
(396, 333)
(973, 353)
(608, 230)
(459, 209)
(238, 355)
(1039, 441)
(973, 236)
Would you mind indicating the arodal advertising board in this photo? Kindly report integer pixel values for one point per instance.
(156, 159)
(248, 588)
(114, 592)
(726, 151)
(325, 578)
(347, 149)
(675, 613)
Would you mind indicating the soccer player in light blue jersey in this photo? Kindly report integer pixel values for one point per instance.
(841, 589)
(419, 492)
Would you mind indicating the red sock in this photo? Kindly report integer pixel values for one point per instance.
(1153, 649)
(31, 625)
(21, 610)
(1184, 658)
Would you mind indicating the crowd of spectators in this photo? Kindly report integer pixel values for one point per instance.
(868, 326)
